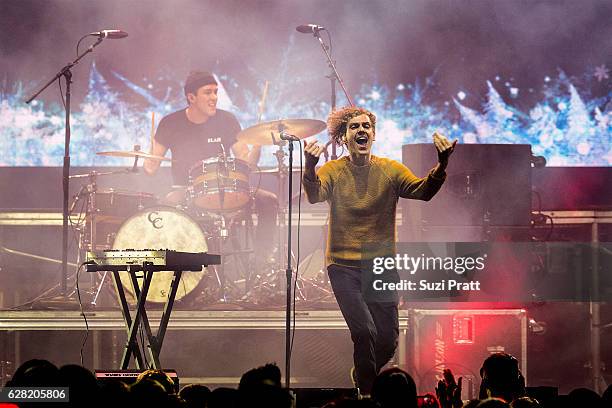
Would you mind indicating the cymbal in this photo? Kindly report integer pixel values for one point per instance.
(273, 171)
(268, 133)
(94, 174)
(133, 153)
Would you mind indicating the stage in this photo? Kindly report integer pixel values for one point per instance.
(204, 187)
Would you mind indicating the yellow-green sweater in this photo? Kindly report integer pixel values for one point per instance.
(362, 204)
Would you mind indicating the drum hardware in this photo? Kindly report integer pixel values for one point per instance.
(224, 232)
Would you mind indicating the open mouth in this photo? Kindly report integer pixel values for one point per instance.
(361, 140)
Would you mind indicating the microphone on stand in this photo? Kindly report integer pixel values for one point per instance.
(286, 136)
(309, 28)
(112, 34)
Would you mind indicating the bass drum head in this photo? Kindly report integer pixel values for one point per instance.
(162, 228)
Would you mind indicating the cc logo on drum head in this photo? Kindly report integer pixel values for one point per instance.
(154, 220)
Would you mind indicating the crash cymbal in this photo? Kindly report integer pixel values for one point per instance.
(133, 153)
(268, 133)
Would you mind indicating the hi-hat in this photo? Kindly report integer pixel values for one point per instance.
(268, 133)
(133, 153)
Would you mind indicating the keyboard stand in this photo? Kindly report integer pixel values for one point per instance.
(141, 320)
(148, 262)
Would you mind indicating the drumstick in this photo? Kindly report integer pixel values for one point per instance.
(262, 103)
(152, 130)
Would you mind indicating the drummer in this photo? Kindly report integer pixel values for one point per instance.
(201, 131)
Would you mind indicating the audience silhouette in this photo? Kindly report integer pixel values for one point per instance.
(502, 385)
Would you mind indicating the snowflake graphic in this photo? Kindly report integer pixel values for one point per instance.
(601, 73)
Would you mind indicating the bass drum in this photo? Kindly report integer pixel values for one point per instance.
(162, 228)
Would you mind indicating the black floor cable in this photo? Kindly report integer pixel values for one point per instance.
(78, 291)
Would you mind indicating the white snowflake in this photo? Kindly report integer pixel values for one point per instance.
(469, 137)
(583, 148)
(608, 156)
(546, 140)
(601, 73)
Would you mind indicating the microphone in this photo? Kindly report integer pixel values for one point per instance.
(286, 136)
(112, 34)
(309, 28)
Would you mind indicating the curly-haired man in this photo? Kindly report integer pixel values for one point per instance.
(362, 191)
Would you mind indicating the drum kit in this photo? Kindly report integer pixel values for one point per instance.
(214, 209)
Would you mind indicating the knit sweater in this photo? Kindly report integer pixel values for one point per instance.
(362, 204)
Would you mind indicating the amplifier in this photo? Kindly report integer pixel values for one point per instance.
(486, 184)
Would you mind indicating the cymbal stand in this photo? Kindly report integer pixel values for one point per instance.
(222, 234)
(87, 237)
(242, 250)
(88, 240)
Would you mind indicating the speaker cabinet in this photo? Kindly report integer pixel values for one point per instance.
(486, 185)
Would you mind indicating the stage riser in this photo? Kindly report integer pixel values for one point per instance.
(213, 348)
(322, 358)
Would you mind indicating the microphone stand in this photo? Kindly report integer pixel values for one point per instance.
(67, 74)
(333, 77)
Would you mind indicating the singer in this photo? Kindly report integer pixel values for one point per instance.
(362, 191)
(200, 132)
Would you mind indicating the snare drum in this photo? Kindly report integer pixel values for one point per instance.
(220, 184)
(162, 228)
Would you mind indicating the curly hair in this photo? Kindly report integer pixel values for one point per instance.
(338, 119)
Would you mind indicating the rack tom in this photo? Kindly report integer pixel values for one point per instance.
(220, 184)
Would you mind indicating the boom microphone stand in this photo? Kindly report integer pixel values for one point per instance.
(333, 77)
(67, 74)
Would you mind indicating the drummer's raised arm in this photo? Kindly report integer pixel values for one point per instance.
(241, 151)
(150, 165)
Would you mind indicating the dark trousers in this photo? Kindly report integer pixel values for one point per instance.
(374, 326)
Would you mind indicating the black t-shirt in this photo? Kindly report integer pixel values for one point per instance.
(190, 142)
